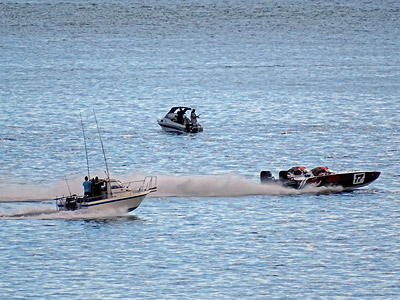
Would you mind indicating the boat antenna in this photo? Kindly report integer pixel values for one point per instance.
(84, 139)
(102, 146)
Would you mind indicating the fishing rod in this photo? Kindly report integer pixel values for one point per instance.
(84, 139)
(104, 153)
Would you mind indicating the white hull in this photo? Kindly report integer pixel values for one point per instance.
(123, 204)
(169, 126)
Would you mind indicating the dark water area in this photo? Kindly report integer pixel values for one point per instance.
(277, 84)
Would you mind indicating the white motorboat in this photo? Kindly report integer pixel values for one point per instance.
(113, 195)
(177, 121)
(108, 193)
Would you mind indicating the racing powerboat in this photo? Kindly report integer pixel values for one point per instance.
(113, 195)
(299, 177)
(177, 121)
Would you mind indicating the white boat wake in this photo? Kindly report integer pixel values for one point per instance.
(50, 213)
(214, 186)
(226, 185)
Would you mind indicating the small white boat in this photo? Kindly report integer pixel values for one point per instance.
(108, 193)
(177, 121)
(114, 195)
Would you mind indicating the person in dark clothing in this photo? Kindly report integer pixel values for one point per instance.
(97, 188)
(180, 114)
(193, 117)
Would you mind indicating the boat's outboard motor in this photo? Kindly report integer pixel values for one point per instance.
(71, 203)
(265, 176)
(283, 175)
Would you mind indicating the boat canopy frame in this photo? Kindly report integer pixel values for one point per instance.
(175, 108)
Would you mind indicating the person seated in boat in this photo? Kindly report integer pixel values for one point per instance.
(297, 172)
(321, 171)
(193, 117)
(87, 187)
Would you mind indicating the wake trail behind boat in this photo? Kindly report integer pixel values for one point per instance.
(51, 213)
(226, 185)
(14, 192)
(28, 213)
(217, 186)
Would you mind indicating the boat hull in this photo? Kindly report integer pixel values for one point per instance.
(169, 126)
(347, 181)
(114, 195)
(125, 204)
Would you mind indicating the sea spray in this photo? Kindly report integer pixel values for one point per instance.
(226, 185)
(48, 212)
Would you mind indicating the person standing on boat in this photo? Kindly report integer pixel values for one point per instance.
(87, 187)
(193, 117)
(180, 114)
(97, 188)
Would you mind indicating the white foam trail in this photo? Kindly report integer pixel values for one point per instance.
(228, 185)
(23, 192)
(13, 192)
(27, 212)
(50, 213)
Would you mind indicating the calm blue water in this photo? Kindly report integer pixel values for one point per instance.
(277, 83)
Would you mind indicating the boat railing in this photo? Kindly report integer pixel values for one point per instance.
(71, 202)
(60, 202)
(149, 183)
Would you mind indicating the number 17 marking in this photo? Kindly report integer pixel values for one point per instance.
(358, 178)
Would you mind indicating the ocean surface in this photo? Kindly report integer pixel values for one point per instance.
(277, 83)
